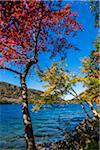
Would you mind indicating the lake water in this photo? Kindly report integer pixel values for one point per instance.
(49, 123)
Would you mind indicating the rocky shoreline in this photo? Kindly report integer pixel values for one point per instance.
(85, 136)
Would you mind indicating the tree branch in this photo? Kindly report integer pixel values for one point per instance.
(28, 66)
(36, 38)
(9, 69)
(80, 101)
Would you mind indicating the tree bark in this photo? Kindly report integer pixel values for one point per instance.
(81, 103)
(93, 110)
(30, 143)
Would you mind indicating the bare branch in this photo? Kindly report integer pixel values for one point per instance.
(9, 69)
(36, 38)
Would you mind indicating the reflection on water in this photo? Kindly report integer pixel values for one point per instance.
(49, 123)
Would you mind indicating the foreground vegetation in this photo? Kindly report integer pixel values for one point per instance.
(84, 137)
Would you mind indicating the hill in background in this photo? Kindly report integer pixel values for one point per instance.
(12, 94)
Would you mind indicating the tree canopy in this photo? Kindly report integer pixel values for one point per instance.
(91, 71)
(94, 4)
(28, 28)
(59, 81)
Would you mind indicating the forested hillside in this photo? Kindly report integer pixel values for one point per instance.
(12, 94)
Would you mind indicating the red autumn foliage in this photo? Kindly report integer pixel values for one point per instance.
(30, 27)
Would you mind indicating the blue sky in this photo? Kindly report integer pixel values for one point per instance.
(83, 40)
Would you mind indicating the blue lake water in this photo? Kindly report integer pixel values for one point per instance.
(49, 123)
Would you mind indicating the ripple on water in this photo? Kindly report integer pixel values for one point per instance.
(46, 123)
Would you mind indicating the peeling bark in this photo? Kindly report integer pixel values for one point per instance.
(93, 110)
(81, 103)
(30, 143)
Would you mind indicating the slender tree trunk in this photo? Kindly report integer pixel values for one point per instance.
(30, 143)
(81, 103)
(93, 110)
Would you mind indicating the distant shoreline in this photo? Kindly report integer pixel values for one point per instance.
(19, 102)
(11, 94)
